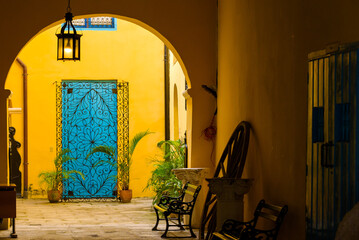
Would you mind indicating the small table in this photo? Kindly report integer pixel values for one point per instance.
(8, 204)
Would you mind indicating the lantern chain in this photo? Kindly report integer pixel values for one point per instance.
(69, 7)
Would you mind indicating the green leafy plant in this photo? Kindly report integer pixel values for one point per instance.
(54, 178)
(163, 181)
(123, 165)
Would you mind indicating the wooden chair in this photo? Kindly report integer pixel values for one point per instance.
(233, 229)
(179, 206)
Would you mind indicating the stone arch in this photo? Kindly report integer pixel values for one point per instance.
(187, 27)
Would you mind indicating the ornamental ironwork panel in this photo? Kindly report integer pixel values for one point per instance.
(122, 123)
(58, 117)
(89, 119)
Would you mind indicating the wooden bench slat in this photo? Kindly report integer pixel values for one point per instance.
(162, 209)
(192, 186)
(189, 192)
(273, 207)
(230, 237)
(223, 237)
(268, 216)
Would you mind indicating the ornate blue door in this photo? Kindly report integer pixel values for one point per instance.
(89, 119)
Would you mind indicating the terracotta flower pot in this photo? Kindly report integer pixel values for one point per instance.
(126, 195)
(53, 196)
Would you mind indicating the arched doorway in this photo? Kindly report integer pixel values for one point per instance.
(188, 28)
(88, 108)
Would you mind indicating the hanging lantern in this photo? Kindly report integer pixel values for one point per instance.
(68, 40)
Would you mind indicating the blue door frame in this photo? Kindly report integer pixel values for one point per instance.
(332, 183)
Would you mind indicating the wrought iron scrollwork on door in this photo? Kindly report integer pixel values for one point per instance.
(123, 135)
(93, 113)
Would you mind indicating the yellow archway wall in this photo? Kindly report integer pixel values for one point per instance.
(187, 27)
(130, 54)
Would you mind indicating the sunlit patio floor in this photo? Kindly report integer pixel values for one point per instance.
(38, 219)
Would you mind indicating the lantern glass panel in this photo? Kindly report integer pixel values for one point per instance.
(77, 47)
(60, 45)
(68, 47)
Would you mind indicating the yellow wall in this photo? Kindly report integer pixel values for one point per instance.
(178, 112)
(130, 54)
(262, 66)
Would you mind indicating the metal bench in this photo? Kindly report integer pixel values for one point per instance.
(233, 229)
(180, 206)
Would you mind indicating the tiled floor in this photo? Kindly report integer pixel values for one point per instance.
(38, 219)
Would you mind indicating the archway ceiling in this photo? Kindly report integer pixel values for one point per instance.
(188, 27)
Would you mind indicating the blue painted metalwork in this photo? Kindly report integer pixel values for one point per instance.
(89, 119)
(333, 144)
(88, 25)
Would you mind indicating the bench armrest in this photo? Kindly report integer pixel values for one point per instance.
(230, 224)
(176, 205)
(165, 200)
(234, 227)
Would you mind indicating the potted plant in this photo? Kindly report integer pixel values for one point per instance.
(53, 179)
(123, 166)
(163, 181)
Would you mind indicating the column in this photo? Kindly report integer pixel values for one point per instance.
(229, 193)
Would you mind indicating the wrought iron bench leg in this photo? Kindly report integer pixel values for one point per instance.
(179, 222)
(164, 235)
(190, 227)
(157, 221)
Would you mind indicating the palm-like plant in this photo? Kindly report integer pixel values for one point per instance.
(124, 164)
(54, 178)
(163, 181)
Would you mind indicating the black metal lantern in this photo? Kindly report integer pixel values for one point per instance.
(68, 40)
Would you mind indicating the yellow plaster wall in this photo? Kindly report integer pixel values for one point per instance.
(262, 66)
(178, 121)
(130, 54)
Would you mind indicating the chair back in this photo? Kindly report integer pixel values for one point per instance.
(190, 193)
(272, 213)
